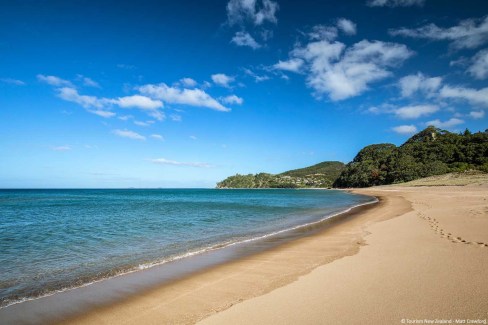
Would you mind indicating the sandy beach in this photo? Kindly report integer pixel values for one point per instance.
(421, 253)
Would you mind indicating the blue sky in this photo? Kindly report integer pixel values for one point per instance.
(184, 93)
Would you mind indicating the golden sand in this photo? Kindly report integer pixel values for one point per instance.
(420, 254)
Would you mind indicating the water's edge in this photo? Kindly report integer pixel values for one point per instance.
(68, 302)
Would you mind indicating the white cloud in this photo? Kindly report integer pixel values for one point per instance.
(125, 117)
(163, 161)
(474, 96)
(347, 26)
(12, 81)
(342, 73)
(479, 68)
(188, 82)
(174, 95)
(395, 3)
(103, 113)
(129, 134)
(88, 81)
(71, 95)
(141, 123)
(323, 33)
(405, 129)
(477, 114)
(232, 99)
(415, 111)
(138, 101)
(419, 83)
(292, 65)
(62, 148)
(445, 124)
(222, 79)
(470, 33)
(257, 78)
(157, 137)
(245, 39)
(193, 137)
(54, 81)
(255, 11)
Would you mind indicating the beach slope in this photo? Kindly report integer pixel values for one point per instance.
(429, 263)
(421, 253)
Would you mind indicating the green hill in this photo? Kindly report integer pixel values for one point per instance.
(430, 152)
(319, 175)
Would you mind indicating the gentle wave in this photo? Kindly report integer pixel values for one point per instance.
(214, 247)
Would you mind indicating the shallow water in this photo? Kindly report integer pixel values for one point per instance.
(56, 239)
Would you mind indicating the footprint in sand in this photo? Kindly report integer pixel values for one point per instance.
(434, 224)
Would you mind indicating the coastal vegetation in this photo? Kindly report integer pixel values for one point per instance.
(316, 176)
(428, 153)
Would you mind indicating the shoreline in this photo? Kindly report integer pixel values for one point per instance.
(202, 294)
(419, 253)
(427, 264)
(193, 263)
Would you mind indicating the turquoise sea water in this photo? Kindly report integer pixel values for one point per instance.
(52, 240)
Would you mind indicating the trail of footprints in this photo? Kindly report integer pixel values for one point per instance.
(434, 224)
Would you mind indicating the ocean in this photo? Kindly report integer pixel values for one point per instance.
(54, 240)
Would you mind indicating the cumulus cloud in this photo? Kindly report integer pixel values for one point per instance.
(138, 101)
(125, 117)
(129, 134)
(103, 113)
(322, 32)
(164, 161)
(157, 137)
(188, 82)
(222, 79)
(150, 106)
(342, 72)
(419, 83)
(477, 114)
(174, 95)
(256, 12)
(405, 129)
(347, 26)
(415, 111)
(474, 96)
(232, 99)
(479, 68)
(88, 82)
(292, 65)
(142, 123)
(395, 3)
(12, 81)
(71, 95)
(470, 33)
(245, 39)
(99, 106)
(54, 81)
(257, 78)
(445, 124)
